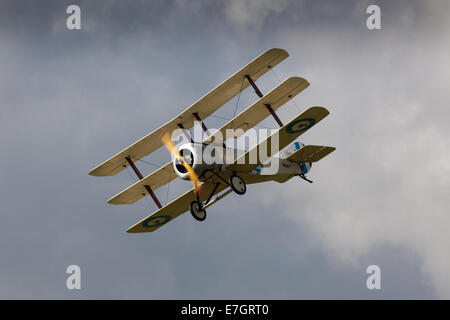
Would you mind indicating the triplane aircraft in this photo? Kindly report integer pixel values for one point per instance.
(213, 181)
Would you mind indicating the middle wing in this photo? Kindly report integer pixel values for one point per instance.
(137, 191)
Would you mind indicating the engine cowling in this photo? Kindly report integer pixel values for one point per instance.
(193, 154)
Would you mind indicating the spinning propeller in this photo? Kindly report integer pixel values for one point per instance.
(165, 138)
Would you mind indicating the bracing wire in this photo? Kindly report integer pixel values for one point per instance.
(227, 119)
(219, 117)
(275, 75)
(279, 81)
(239, 97)
(136, 179)
(147, 162)
(132, 177)
(167, 190)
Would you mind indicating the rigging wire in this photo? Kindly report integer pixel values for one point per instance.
(167, 190)
(151, 204)
(278, 79)
(132, 177)
(219, 117)
(168, 183)
(239, 97)
(136, 179)
(227, 119)
(148, 162)
(275, 75)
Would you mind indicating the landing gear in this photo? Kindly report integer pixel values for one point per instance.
(197, 207)
(197, 211)
(237, 184)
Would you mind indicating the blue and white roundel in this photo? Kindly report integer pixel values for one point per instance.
(300, 125)
(155, 221)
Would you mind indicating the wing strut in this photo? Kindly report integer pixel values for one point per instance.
(205, 129)
(147, 187)
(197, 117)
(259, 93)
(185, 132)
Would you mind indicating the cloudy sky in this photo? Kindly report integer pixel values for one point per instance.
(71, 99)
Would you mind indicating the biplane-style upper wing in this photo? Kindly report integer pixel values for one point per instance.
(201, 109)
(310, 153)
(175, 208)
(245, 120)
(258, 111)
(283, 136)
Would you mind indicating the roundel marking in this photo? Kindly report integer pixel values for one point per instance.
(155, 221)
(300, 125)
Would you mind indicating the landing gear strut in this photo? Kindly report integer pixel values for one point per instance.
(197, 207)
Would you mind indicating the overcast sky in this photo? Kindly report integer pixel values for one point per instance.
(71, 99)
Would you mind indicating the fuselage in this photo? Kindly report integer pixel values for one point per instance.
(204, 157)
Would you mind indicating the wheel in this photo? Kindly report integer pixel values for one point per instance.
(197, 211)
(237, 184)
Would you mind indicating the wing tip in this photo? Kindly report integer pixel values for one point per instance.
(297, 78)
(93, 173)
(320, 108)
(303, 82)
(99, 172)
(280, 50)
(278, 53)
(134, 228)
(117, 200)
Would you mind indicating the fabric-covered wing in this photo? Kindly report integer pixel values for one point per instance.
(137, 191)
